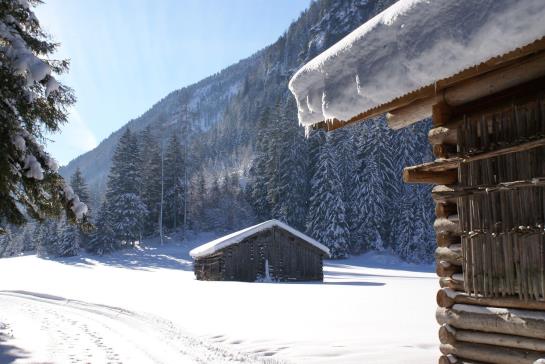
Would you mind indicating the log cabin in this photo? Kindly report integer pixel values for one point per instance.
(477, 68)
(271, 251)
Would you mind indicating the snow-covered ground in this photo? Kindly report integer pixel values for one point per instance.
(144, 305)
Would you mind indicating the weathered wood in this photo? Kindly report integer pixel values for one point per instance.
(445, 209)
(414, 175)
(447, 298)
(444, 135)
(491, 353)
(447, 225)
(440, 113)
(451, 335)
(454, 284)
(446, 239)
(407, 115)
(451, 359)
(493, 82)
(452, 254)
(446, 269)
(443, 151)
(449, 164)
(449, 193)
(490, 319)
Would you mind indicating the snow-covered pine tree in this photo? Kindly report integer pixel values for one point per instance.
(32, 102)
(174, 184)
(291, 186)
(197, 201)
(326, 220)
(69, 240)
(103, 239)
(259, 171)
(77, 182)
(150, 178)
(123, 206)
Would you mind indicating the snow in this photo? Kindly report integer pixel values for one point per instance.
(146, 303)
(411, 44)
(33, 167)
(238, 236)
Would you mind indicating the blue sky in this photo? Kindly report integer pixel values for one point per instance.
(128, 54)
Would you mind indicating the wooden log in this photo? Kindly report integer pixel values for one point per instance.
(491, 354)
(443, 193)
(451, 335)
(454, 284)
(447, 239)
(445, 209)
(491, 319)
(452, 254)
(414, 175)
(450, 225)
(493, 82)
(443, 151)
(447, 298)
(440, 113)
(445, 269)
(407, 115)
(451, 359)
(443, 135)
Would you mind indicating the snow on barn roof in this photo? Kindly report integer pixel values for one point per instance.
(409, 46)
(236, 237)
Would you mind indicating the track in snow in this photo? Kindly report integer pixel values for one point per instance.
(69, 331)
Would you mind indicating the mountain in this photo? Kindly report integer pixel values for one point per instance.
(248, 160)
(249, 85)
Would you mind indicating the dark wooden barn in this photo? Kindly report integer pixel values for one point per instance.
(270, 251)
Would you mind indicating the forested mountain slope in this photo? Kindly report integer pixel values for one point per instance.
(248, 160)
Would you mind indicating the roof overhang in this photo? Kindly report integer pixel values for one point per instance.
(418, 53)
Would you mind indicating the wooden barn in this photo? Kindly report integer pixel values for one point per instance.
(270, 251)
(478, 69)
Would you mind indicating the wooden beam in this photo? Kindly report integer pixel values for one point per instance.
(407, 115)
(447, 270)
(450, 282)
(415, 175)
(451, 335)
(450, 225)
(452, 255)
(454, 162)
(440, 113)
(447, 298)
(444, 135)
(508, 321)
(445, 209)
(491, 353)
(447, 193)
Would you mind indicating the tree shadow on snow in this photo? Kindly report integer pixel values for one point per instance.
(142, 258)
(10, 353)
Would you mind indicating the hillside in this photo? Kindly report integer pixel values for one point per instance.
(249, 161)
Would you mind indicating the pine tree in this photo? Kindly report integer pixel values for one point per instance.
(150, 177)
(80, 236)
(32, 102)
(174, 184)
(123, 211)
(259, 171)
(326, 219)
(103, 238)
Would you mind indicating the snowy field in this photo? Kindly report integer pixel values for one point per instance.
(144, 305)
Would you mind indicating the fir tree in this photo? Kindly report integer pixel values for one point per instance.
(123, 211)
(32, 102)
(174, 184)
(327, 218)
(150, 178)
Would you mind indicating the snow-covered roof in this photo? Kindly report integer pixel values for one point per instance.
(236, 237)
(410, 45)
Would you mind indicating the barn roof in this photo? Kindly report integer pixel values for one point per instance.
(403, 53)
(236, 237)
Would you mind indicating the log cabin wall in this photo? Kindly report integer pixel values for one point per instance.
(490, 218)
(288, 257)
